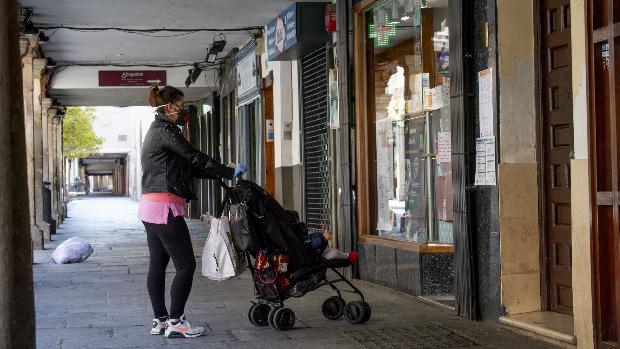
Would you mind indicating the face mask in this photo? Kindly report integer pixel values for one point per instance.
(183, 114)
(183, 117)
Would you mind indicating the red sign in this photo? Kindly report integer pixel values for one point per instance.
(330, 18)
(132, 77)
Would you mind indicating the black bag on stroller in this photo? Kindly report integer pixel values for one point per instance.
(258, 221)
(242, 228)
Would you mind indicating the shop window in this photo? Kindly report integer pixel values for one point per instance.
(406, 55)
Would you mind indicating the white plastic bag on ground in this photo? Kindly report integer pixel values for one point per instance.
(73, 250)
(219, 259)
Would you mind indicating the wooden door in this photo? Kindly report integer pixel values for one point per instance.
(270, 165)
(557, 138)
(604, 88)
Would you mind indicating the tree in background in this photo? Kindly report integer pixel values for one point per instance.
(79, 139)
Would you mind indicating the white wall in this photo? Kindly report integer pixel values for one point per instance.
(285, 108)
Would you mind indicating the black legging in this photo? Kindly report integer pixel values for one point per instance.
(166, 241)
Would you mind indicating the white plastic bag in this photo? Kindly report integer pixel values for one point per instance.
(73, 250)
(219, 259)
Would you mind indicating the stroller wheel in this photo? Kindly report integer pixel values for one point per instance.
(270, 316)
(357, 312)
(283, 319)
(333, 308)
(259, 314)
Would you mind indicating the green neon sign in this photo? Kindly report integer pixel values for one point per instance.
(382, 32)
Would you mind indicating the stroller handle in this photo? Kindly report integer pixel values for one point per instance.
(227, 193)
(223, 185)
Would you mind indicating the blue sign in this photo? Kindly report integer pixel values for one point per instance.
(282, 32)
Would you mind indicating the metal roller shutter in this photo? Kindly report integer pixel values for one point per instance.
(314, 77)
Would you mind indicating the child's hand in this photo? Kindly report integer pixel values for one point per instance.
(327, 235)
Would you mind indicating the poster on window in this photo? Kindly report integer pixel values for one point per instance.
(444, 147)
(485, 161)
(485, 102)
(385, 174)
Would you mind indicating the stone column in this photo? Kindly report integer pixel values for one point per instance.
(38, 65)
(27, 80)
(16, 292)
(52, 178)
(60, 171)
(46, 104)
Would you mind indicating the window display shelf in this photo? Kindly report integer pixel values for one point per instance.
(407, 245)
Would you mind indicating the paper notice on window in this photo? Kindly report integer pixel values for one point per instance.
(385, 173)
(481, 162)
(444, 147)
(490, 161)
(485, 102)
(485, 161)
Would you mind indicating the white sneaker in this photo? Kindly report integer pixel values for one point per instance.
(159, 327)
(183, 329)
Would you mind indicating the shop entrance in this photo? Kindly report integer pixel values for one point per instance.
(556, 129)
(603, 17)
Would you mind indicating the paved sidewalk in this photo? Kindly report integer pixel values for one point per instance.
(103, 302)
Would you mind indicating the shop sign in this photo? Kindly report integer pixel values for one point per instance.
(330, 18)
(132, 77)
(282, 32)
(382, 32)
(247, 74)
(291, 35)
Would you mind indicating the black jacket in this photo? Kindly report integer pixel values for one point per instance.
(170, 162)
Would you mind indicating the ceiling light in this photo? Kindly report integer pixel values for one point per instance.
(195, 73)
(43, 39)
(216, 47)
(405, 18)
(211, 57)
(188, 80)
(27, 15)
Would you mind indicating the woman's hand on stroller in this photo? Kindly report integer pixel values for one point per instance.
(240, 169)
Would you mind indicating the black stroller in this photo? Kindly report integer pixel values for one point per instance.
(281, 263)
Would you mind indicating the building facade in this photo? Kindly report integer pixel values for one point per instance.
(466, 148)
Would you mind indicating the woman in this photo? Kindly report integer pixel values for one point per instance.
(169, 163)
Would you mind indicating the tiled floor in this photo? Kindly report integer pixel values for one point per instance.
(103, 302)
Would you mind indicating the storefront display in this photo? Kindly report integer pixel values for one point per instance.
(407, 57)
(248, 123)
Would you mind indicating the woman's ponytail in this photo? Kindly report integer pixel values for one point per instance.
(155, 98)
